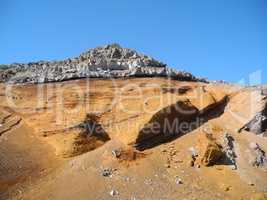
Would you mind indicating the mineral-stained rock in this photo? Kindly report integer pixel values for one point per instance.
(110, 61)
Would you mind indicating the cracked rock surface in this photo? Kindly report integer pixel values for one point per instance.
(110, 61)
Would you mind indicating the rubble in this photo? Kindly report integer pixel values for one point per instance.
(107, 172)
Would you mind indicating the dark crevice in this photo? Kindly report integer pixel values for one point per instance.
(176, 120)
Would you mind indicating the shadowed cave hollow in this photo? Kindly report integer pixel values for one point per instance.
(174, 121)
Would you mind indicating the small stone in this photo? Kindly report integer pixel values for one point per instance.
(107, 172)
(116, 153)
(1, 125)
(191, 163)
(251, 184)
(179, 181)
(226, 189)
(198, 166)
(167, 165)
(114, 193)
(193, 151)
(164, 151)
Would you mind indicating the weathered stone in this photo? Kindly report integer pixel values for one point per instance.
(259, 159)
(114, 193)
(110, 61)
(229, 150)
(258, 124)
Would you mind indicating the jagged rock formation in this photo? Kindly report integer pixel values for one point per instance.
(258, 123)
(101, 62)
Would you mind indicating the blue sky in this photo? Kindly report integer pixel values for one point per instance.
(218, 39)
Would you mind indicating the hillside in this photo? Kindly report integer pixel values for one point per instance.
(131, 137)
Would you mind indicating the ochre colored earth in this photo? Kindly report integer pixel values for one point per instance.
(50, 149)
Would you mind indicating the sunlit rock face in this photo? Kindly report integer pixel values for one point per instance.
(110, 61)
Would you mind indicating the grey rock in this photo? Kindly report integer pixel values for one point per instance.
(178, 181)
(116, 153)
(114, 193)
(229, 150)
(259, 159)
(110, 61)
(258, 124)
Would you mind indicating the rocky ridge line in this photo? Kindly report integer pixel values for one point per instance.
(110, 61)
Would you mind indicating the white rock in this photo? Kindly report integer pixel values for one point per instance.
(179, 181)
(114, 193)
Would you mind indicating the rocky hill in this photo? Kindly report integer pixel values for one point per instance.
(110, 61)
(145, 137)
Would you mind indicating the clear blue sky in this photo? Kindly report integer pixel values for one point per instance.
(219, 39)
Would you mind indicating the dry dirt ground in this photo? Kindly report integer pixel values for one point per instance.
(45, 151)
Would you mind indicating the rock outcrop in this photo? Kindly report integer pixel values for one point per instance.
(259, 158)
(258, 124)
(213, 154)
(110, 61)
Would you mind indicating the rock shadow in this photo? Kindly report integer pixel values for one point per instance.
(174, 121)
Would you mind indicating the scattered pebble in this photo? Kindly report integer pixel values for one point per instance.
(251, 184)
(226, 189)
(1, 125)
(191, 163)
(114, 193)
(167, 165)
(107, 172)
(178, 181)
(193, 151)
(116, 153)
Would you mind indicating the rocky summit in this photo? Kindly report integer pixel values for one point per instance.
(110, 61)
